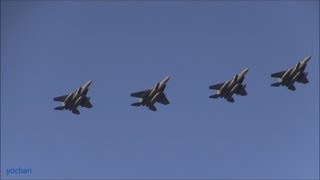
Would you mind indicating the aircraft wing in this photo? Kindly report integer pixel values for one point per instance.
(278, 74)
(153, 108)
(303, 79)
(139, 94)
(216, 86)
(86, 103)
(163, 99)
(76, 111)
(60, 98)
(242, 92)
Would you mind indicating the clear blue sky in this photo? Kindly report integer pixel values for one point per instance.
(50, 48)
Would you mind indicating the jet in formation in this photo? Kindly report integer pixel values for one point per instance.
(225, 90)
(150, 96)
(75, 99)
(233, 86)
(290, 76)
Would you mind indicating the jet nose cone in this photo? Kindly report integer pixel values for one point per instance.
(166, 79)
(306, 59)
(88, 83)
(245, 70)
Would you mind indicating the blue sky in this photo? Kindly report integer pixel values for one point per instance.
(50, 48)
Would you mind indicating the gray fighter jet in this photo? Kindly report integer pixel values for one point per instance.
(150, 96)
(295, 74)
(233, 86)
(75, 99)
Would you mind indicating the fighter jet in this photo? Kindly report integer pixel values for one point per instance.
(150, 96)
(295, 74)
(233, 86)
(75, 99)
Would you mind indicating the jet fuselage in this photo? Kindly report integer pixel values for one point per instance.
(230, 87)
(151, 96)
(76, 98)
(295, 73)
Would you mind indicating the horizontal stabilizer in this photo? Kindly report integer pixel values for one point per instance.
(277, 84)
(136, 104)
(215, 96)
(59, 108)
